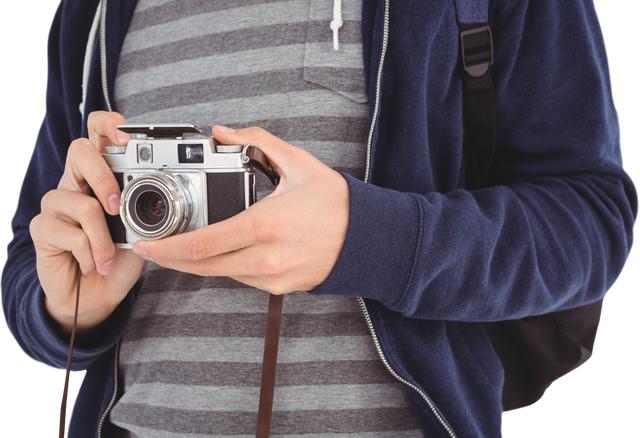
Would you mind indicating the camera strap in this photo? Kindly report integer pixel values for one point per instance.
(259, 160)
(269, 363)
(267, 383)
(63, 405)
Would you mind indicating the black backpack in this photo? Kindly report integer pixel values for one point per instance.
(536, 350)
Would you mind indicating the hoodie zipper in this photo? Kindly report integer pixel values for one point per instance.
(115, 390)
(376, 106)
(422, 394)
(103, 52)
(105, 92)
(363, 306)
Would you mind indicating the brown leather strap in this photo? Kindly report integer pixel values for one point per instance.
(269, 362)
(65, 390)
(259, 160)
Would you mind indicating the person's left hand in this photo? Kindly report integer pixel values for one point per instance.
(288, 241)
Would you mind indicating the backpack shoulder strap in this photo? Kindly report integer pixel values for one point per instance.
(537, 350)
(472, 11)
(478, 104)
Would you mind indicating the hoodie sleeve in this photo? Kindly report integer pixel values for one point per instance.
(22, 295)
(556, 228)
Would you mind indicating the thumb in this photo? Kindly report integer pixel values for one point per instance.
(281, 154)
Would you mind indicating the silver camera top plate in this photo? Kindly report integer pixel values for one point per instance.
(161, 130)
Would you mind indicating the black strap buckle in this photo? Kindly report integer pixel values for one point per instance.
(476, 59)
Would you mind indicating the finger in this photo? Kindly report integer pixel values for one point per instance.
(75, 207)
(53, 236)
(103, 129)
(248, 266)
(86, 169)
(229, 235)
(224, 265)
(241, 263)
(281, 154)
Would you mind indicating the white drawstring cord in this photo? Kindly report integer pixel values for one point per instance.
(337, 22)
(87, 56)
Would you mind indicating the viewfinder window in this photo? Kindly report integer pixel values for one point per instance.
(190, 153)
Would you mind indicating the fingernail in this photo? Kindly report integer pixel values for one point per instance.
(138, 250)
(114, 203)
(108, 267)
(122, 137)
(225, 129)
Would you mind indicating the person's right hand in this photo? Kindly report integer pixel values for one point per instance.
(72, 226)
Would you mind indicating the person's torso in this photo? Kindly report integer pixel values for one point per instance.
(192, 355)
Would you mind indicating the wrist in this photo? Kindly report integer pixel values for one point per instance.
(61, 320)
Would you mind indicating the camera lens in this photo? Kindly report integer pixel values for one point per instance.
(147, 206)
(151, 208)
(157, 205)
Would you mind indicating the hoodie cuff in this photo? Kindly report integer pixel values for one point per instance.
(378, 255)
(57, 349)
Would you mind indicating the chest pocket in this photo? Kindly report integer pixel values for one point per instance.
(338, 70)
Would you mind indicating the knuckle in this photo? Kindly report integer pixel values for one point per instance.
(91, 120)
(268, 230)
(103, 118)
(201, 268)
(257, 132)
(304, 155)
(79, 241)
(199, 248)
(102, 127)
(87, 266)
(89, 209)
(104, 250)
(78, 146)
(76, 154)
(112, 119)
(35, 225)
(42, 227)
(91, 206)
(86, 262)
(103, 179)
(272, 266)
(47, 200)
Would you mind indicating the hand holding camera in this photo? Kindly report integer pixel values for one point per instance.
(72, 226)
(174, 179)
(288, 241)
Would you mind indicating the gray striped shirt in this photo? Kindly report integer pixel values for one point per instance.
(192, 355)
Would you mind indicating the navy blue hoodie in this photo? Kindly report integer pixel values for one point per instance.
(431, 260)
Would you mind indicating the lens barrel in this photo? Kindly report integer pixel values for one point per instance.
(151, 208)
(156, 205)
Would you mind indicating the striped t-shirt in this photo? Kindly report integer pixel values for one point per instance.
(190, 361)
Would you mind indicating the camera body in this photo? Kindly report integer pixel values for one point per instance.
(174, 179)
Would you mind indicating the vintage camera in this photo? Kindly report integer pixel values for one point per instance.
(174, 179)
